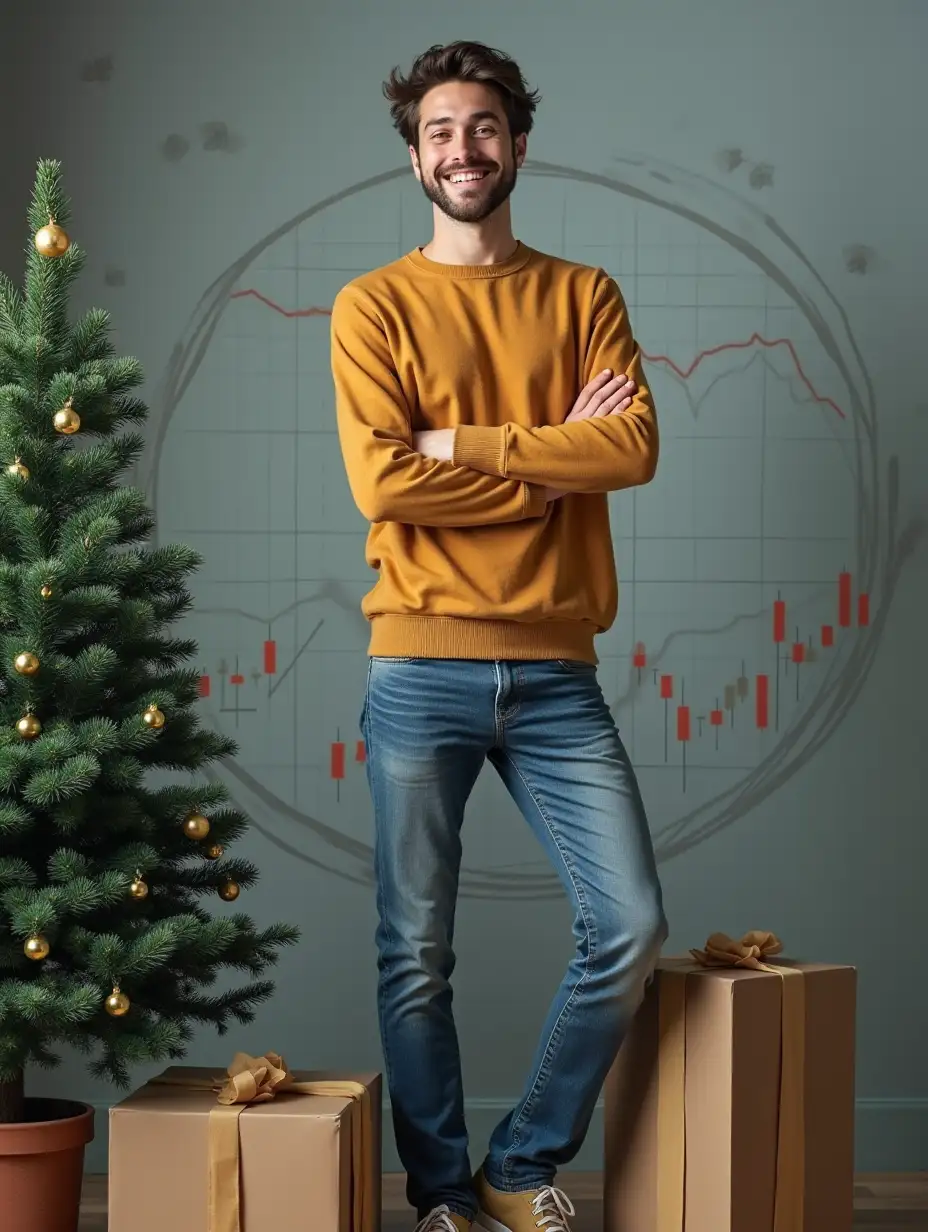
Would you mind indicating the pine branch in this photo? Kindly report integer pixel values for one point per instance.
(99, 465)
(11, 308)
(73, 778)
(15, 871)
(89, 338)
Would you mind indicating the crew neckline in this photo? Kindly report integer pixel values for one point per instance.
(519, 259)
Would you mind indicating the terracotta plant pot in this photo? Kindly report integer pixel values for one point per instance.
(42, 1166)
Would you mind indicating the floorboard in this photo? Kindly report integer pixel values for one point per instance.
(882, 1203)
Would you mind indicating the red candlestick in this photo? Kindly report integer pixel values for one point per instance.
(779, 621)
(338, 760)
(760, 699)
(844, 600)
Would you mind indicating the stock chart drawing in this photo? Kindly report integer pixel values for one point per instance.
(755, 572)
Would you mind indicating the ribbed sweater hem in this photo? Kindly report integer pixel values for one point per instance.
(453, 637)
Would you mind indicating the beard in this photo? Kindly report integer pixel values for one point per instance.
(478, 205)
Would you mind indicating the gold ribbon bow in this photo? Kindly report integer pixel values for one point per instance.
(255, 1080)
(753, 952)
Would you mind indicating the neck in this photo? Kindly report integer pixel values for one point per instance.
(472, 243)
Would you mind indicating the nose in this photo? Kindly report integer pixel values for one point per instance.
(463, 147)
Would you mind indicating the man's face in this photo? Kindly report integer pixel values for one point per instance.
(466, 163)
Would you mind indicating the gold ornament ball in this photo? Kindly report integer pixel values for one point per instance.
(26, 663)
(18, 468)
(52, 240)
(67, 421)
(117, 1004)
(214, 851)
(138, 888)
(196, 826)
(36, 947)
(229, 891)
(153, 717)
(29, 727)
(46, 592)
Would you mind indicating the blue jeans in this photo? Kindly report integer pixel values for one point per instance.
(429, 725)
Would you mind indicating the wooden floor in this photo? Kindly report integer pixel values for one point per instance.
(883, 1203)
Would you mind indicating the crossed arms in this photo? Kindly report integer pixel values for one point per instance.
(474, 475)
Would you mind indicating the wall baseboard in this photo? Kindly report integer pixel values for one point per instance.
(892, 1135)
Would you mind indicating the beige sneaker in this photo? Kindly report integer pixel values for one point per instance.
(547, 1209)
(440, 1219)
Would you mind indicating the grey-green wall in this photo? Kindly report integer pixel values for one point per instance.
(189, 132)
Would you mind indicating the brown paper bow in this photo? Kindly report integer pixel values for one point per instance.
(750, 951)
(255, 1080)
(753, 951)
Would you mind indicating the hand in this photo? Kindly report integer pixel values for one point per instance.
(604, 395)
(435, 443)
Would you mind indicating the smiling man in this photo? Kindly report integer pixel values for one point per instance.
(488, 397)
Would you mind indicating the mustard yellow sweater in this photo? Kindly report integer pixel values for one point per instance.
(472, 561)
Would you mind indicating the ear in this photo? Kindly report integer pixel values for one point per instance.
(414, 159)
(521, 144)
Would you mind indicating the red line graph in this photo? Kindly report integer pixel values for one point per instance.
(684, 374)
(290, 313)
(755, 340)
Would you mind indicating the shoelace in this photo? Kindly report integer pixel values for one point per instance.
(551, 1208)
(438, 1220)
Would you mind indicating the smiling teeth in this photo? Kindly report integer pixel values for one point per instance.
(462, 177)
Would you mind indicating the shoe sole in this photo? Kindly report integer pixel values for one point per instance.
(489, 1224)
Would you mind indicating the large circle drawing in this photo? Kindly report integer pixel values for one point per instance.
(879, 548)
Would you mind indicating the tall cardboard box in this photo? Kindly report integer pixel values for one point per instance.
(696, 1131)
(298, 1167)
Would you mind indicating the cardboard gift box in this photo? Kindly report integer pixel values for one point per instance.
(730, 1107)
(257, 1149)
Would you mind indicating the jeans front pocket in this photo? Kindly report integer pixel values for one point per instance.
(578, 667)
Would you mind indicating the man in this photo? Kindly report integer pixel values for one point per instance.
(457, 371)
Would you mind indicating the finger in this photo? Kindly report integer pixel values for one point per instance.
(621, 397)
(620, 401)
(618, 384)
(623, 406)
(592, 387)
(598, 392)
(597, 397)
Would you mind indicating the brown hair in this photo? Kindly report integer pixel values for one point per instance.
(460, 61)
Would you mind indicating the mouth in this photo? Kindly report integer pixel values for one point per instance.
(472, 176)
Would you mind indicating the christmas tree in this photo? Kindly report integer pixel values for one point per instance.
(104, 943)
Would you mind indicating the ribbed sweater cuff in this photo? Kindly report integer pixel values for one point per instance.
(536, 500)
(482, 449)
